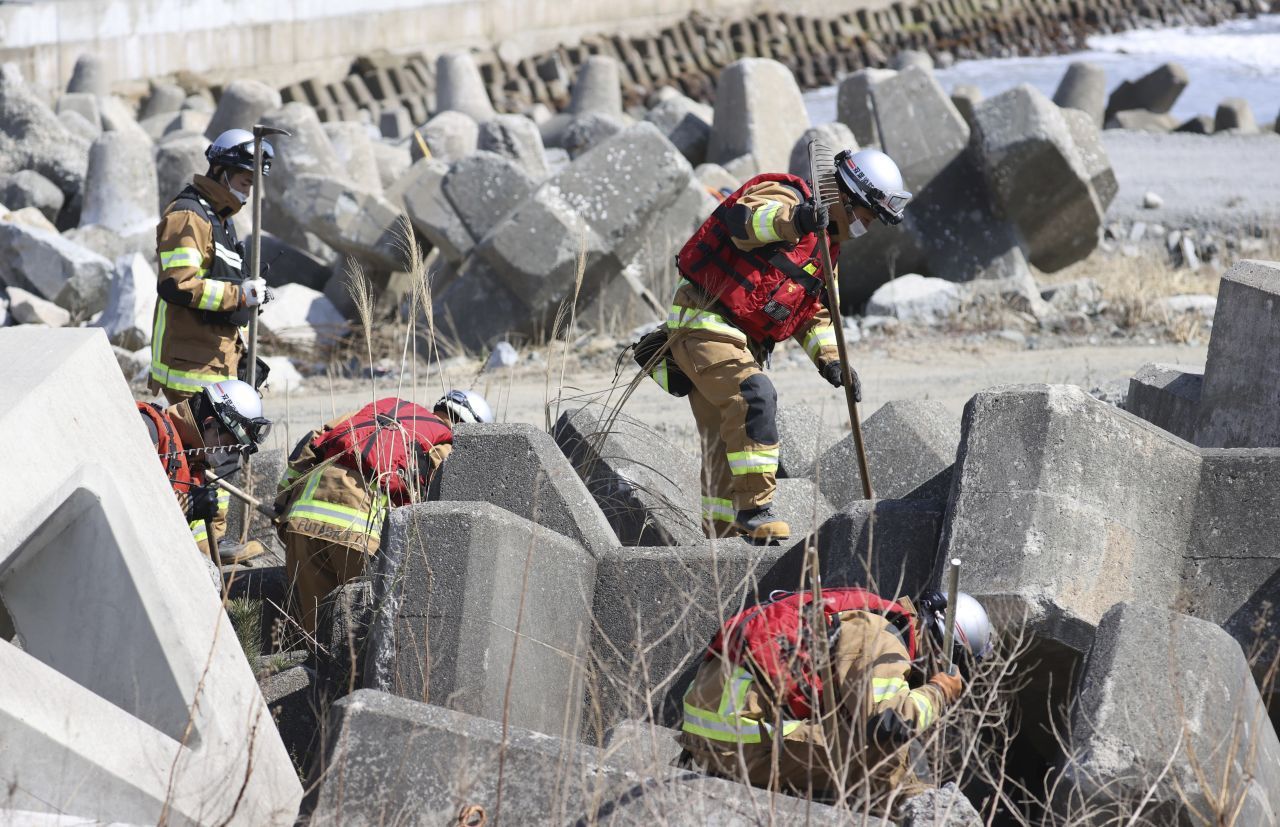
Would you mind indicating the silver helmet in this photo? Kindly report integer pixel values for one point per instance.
(973, 626)
(465, 406)
(874, 181)
(234, 148)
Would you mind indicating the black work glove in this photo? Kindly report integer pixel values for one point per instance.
(833, 374)
(811, 216)
(202, 504)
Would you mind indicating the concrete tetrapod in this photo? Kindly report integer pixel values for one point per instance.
(130, 699)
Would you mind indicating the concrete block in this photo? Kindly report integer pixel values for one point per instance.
(1092, 156)
(1198, 125)
(1234, 113)
(121, 189)
(641, 746)
(545, 780)
(179, 158)
(801, 439)
(306, 150)
(1037, 178)
(130, 696)
(900, 561)
(1256, 627)
(759, 112)
(432, 214)
(266, 469)
(798, 502)
(32, 137)
(77, 125)
(1155, 91)
(29, 188)
(451, 136)
(483, 188)
(301, 316)
(284, 263)
(921, 130)
(518, 138)
(163, 99)
(294, 699)
(597, 87)
(588, 130)
(201, 101)
(1167, 396)
(519, 468)
(395, 122)
(47, 264)
(834, 134)
(964, 97)
(243, 103)
(110, 245)
(119, 115)
(83, 103)
(1063, 506)
(131, 303)
(89, 76)
(915, 298)
(476, 309)
(460, 88)
(1241, 379)
(456, 585)
(911, 446)
(646, 488)
(354, 148)
(1165, 704)
(1141, 120)
(882, 254)
(686, 123)
(351, 218)
(393, 162)
(855, 107)
(1231, 550)
(343, 621)
(28, 308)
(1084, 88)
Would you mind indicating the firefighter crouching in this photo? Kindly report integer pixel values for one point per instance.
(210, 431)
(757, 692)
(342, 480)
(204, 297)
(751, 276)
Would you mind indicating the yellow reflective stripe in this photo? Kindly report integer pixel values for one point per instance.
(659, 375)
(702, 320)
(763, 220)
(186, 381)
(181, 257)
(729, 724)
(307, 507)
(198, 531)
(924, 706)
(212, 291)
(810, 268)
(753, 462)
(818, 337)
(883, 688)
(717, 508)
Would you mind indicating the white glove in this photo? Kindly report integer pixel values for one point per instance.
(256, 292)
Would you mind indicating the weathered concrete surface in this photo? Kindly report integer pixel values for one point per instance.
(1167, 396)
(421, 190)
(644, 486)
(519, 468)
(1155, 91)
(1241, 391)
(483, 188)
(120, 188)
(1162, 690)
(1084, 87)
(29, 188)
(515, 137)
(801, 439)
(444, 761)
(1235, 114)
(131, 303)
(1256, 627)
(759, 112)
(450, 135)
(855, 107)
(352, 219)
(911, 447)
(242, 104)
(54, 268)
(457, 586)
(1063, 506)
(124, 643)
(460, 88)
(598, 87)
(641, 746)
(686, 123)
(32, 137)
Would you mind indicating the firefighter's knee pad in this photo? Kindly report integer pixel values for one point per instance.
(762, 409)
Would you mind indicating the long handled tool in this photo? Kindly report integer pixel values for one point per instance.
(260, 134)
(243, 496)
(949, 634)
(826, 188)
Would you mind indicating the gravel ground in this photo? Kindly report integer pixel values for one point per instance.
(1228, 182)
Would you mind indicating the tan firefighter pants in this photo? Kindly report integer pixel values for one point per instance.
(734, 405)
(315, 568)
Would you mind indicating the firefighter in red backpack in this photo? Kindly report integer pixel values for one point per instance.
(752, 276)
(757, 690)
(210, 431)
(343, 479)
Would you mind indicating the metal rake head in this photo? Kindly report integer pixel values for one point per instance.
(822, 173)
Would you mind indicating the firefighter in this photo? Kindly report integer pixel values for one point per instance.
(733, 726)
(210, 431)
(752, 276)
(204, 297)
(333, 505)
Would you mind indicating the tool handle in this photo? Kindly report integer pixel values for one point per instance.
(949, 632)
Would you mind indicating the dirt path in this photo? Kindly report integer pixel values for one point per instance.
(935, 369)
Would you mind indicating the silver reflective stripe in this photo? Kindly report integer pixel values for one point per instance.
(229, 257)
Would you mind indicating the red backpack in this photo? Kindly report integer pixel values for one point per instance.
(386, 442)
(169, 449)
(770, 292)
(766, 639)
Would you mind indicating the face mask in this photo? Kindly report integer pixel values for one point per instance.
(242, 197)
(857, 229)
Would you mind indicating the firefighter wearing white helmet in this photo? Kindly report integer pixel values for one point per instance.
(752, 277)
(345, 476)
(211, 431)
(204, 297)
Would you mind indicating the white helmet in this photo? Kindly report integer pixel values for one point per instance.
(874, 181)
(465, 406)
(239, 408)
(973, 627)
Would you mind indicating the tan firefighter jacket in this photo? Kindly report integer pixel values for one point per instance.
(772, 207)
(327, 500)
(187, 350)
(730, 723)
